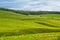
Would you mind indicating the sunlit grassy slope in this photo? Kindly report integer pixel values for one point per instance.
(14, 26)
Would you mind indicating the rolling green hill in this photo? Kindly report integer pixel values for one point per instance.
(14, 26)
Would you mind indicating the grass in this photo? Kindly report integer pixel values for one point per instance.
(15, 26)
(39, 36)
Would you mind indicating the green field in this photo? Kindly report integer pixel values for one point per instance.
(14, 26)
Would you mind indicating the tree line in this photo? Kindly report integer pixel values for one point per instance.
(30, 12)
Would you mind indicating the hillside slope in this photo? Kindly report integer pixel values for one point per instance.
(13, 25)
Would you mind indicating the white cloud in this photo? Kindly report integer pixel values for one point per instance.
(35, 2)
(46, 5)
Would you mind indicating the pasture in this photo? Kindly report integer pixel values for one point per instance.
(15, 26)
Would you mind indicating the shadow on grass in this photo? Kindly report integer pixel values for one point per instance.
(28, 19)
(58, 38)
(28, 31)
(46, 24)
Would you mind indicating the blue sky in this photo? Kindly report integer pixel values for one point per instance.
(35, 5)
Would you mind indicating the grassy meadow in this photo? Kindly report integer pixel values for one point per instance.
(15, 26)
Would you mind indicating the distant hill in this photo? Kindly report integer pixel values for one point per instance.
(31, 12)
